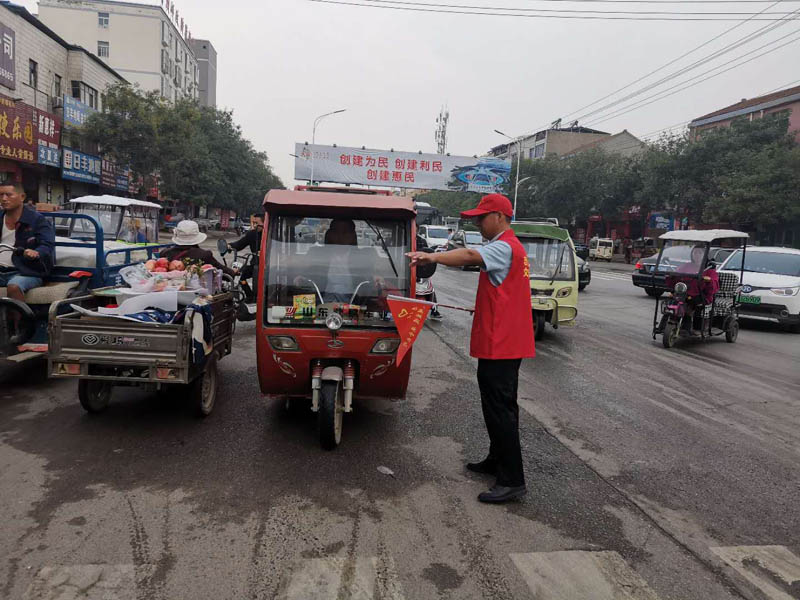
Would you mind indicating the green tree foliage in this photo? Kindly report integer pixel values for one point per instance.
(747, 174)
(199, 153)
(450, 204)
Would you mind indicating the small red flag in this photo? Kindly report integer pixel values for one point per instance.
(409, 317)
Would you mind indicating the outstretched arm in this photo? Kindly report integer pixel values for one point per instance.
(462, 257)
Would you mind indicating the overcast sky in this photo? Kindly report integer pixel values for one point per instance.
(283, 62)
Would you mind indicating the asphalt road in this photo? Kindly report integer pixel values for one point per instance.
(652, 473)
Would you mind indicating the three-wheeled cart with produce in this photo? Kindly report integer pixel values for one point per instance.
(102, 352)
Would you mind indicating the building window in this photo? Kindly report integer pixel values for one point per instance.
(84, 93)
(33, 74)
(538, 151)
(103, 49)
(57, 86)
(102, 20)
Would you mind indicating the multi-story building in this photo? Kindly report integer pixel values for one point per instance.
(40, 72)
(785, 101)
(623, 143)
(206, 56)
(557, 141)
(143, 42)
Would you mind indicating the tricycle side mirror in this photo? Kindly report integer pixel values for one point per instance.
(222, 247)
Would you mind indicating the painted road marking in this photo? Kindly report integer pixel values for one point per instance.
(341, 577)
(581, 574)
(88, 582)
(774, 570)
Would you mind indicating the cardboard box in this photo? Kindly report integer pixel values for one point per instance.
(44, 207)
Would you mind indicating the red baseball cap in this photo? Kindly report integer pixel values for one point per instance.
(489, 204)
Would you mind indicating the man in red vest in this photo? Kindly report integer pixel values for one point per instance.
(502, 335)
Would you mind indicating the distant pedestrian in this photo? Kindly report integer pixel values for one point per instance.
(502, 335)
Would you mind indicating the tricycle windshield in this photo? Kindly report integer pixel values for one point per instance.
(108, 216)
(140, 225)
(679, 257)
(317, 266)
(544, 255)
(474, 237)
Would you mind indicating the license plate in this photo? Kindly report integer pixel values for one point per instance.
(750, 299)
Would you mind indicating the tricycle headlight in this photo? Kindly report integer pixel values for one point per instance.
(681, 288)
(788, 291)
(385, 346)
(564, 292)
(283, 343)
(334, 321)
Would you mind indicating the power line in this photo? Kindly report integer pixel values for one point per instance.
(714, 55)
(559, 10)
(642, 103)
(782, 87)
(664, 66)
(535, 16)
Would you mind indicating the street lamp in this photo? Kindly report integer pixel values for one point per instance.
(518, 140)
(314, 134)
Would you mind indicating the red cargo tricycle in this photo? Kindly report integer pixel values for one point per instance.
(324, 328)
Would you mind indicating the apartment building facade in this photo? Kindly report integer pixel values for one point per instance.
(556, 141)
(142, 42)
(47, 85)
(206, 56)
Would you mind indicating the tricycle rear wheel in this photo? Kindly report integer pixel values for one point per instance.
(94, 395)
(203, 390)
(331, 413)
(732, 332)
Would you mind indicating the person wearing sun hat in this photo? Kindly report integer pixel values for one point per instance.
(502, 335)
(187, 238)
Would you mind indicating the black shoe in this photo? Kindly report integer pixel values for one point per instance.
(501, 493)
(487, 467)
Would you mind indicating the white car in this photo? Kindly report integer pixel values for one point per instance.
(770, 285)
(435, 235)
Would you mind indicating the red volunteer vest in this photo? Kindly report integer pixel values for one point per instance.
(502, 327)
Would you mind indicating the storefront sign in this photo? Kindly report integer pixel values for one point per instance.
(662, 221)
(78, 166)
(401, 169)
(16, 131)
(75, 112)
(121, 182)
(49, 156)
(8, 69)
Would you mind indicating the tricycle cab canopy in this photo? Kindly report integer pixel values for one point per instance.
(125, 219)
(703, 236)
(338, 204)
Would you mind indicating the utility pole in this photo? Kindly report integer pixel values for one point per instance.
(441, 130)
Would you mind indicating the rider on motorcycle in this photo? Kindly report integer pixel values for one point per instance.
(251, 240)
(700, 292)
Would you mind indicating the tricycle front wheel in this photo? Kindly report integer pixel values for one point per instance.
(203, 390)
(331, 412)
(94, 395)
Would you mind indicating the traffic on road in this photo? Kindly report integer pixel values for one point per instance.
(659, 437)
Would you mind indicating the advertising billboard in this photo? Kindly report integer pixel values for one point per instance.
(388, 168)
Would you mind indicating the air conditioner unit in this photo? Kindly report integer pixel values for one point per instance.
(58, 102)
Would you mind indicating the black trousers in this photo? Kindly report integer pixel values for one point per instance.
(498, 380)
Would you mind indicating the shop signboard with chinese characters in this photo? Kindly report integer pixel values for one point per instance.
(16, 131)
(8, 69)
(78, 166)
(121, 182)
(108, 174)
(662, 221)
(75, 112)
(401, 169)
(47, 131)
